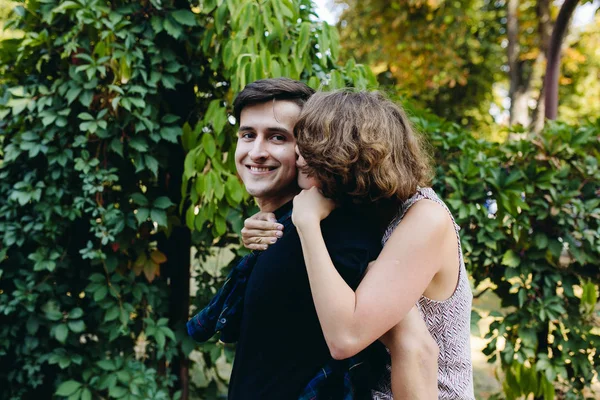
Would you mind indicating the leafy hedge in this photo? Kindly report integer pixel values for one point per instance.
(530, 212)
(114, 130)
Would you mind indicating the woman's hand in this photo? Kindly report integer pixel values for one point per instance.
(311, 207)
(260, 231)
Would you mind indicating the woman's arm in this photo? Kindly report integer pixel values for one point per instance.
(400, 275)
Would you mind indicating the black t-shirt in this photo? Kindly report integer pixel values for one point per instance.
(281, 346)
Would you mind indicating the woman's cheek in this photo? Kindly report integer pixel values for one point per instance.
(305, 181)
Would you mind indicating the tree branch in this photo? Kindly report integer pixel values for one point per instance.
(553, 66)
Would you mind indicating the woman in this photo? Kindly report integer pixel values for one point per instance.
(362, 144)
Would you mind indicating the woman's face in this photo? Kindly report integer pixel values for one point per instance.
(304, 181)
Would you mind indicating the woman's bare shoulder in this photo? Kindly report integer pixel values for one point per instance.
(428, 214)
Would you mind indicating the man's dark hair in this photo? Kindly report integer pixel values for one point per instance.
(265, 90)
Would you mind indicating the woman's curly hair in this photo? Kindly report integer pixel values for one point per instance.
(361, 147)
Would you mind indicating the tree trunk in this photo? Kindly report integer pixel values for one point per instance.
(177, 247)
(544, 32)
(537, 118)
(553, 65)
(518, 93)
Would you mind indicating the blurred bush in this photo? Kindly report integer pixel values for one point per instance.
(530, 217)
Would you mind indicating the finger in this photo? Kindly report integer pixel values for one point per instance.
(249, 240)
(264, 216)
(248, 233)
(262, 240)
(257, 246)
(254, 224)
(258, 243)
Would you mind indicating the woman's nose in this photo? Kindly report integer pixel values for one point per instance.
(300, 162)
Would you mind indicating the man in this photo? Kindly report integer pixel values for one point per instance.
(281, 348)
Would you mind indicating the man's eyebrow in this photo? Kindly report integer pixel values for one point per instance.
(269, 129)
(278, 129)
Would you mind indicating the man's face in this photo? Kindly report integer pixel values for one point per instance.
(265, 155)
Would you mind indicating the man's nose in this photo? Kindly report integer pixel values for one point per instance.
(258, 150)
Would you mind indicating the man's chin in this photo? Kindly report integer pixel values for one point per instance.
(272, 192)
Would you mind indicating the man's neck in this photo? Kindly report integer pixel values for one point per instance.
(271, 204)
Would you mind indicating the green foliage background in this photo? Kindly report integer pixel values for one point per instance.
(538, 252)
(116, 147)
(114, 130)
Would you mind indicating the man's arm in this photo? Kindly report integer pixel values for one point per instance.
(260, 231)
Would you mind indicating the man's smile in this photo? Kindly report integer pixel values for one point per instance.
(260, 170)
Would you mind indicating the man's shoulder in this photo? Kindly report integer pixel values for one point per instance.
(349, 226)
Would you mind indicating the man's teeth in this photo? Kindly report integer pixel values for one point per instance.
(257, 169)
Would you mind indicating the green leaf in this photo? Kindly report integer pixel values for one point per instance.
(32, 325)
(76, 313)
(107, 365)
(184, 17)
(171, 133)
(138, 143)
(160, 339)
(111, 314)
(139, 103)
(47, 120)
(157, 24)
(541, 240)
(209, 144)
(220, 225)
(68, 388)
(172, 27)
(511, 259)
(117, 392)
(85, 116)
(219, 188)
(18, 105)
(17, 91)
(337, 80)
(590, 294)
(169, 119)
(73, 93)
(142, 214)
(61, 332)
(168, 333)
(159, 216)
(189, 170)
(76, 326)
(116, 146)
(86, 394)
(162, 202)
(139, 199)
(234, 188)
(152, 164)
(304, 39)
(86, 98)
(100, 294)
(221, 17)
